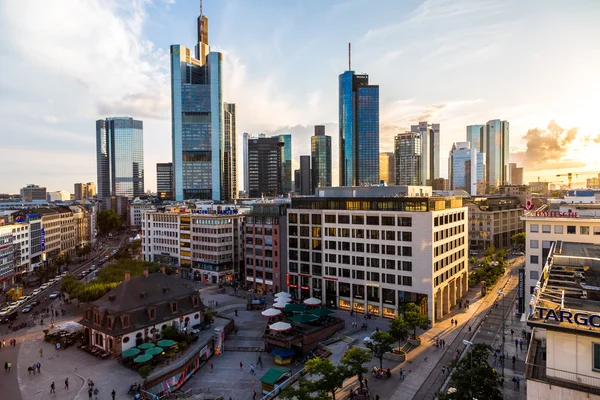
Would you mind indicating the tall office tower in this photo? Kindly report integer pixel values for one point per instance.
(359, 130)
(430, 151)
(497, 151)
(320, 151)
(466, 168)
(516, 174)
(297, 181)
(229, 181)
(286, 163)
(198, 118)
(33, 192)
(120, 157)
(80, 191)
(264, 166)
(407, 151)
(91, 189)
(164, 181)
(387, 167)
(475, 137)
(305, 176)
(245, 160)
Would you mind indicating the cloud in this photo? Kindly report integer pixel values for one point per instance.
(51, 119)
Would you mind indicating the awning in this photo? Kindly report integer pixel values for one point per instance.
(273, 375)
(283, 352)
(294, 308)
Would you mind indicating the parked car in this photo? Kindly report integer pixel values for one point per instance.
(93, 268)
(35, 302)
(53, 295)
(519, 253)
(36, 292)
(26, 309)
(9, 317)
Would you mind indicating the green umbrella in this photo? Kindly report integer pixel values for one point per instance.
(143, 358)
(303, 318)
(154, 351)
(321, 312)
(146, 346)
(294, 308)
(131, 352)
(166, 343)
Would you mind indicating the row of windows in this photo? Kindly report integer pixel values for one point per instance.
(448, 219)
(259, 231)
(449, 274)
(267, 275)
(444, 262)
(359, 261)
(209, 239)
(373, 234)
(446, 233)
(559, 229)
(212, 231)
(305, 219)
(443, 248)
(368, 276)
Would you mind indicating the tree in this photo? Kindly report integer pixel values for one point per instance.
(108, 220)
(519, 239)
(331, 377)
(304, 390)
(415, 318)
(501, 255)
(472, 260)
(354, 360)
(473, 378)
(399, 330)
(381, 342)
(490, 251)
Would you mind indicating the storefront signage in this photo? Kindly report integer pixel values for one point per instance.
(43, 239)
(563, 316)
(219, 212)
(521, 309)
(557, 214)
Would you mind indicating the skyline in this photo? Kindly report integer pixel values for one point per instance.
(436, 61)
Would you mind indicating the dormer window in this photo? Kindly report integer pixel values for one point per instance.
(110, 322)
(173, 307)
(195, 301)
(152, 313)
(125, 321)
(97, 318)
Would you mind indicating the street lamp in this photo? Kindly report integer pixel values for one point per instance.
(503, 335)
(469, 344)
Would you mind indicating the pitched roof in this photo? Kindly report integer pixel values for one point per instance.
(273, 375)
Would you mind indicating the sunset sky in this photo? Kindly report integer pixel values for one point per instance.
(67, 63)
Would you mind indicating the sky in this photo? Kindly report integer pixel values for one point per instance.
(67, 63)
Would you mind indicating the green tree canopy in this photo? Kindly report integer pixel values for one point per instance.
(415, 318)
(381, 342)
(354, 360)
(490, 251)
(304, 390)
(331, 377)
(399, 329)
(519, 238)
(108, 220)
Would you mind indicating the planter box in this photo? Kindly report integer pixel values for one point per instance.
(415, 342)
(395, 357)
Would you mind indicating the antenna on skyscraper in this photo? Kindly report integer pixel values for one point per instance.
(200, 8)
(349, 56)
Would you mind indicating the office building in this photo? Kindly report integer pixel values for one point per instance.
(493, 140)
(516, 174)
(539, 187)
(475, 137)
(7, 257)
(164, 181)
(518, 191)
(60, 195)
(120, 157)
(80, 191)
(265, 241)
(387, 168)
(119, 204)
(297, 181)
(205, 243)
(493, 220)
(136, 209)
(430, 151)
(91, 190)
(563, 358)
(466, 169)
(286, 163)
(202, 161)
(320, 146)
(245, 161)
(33, 193)
(305, 176)
(407, 152)
(264, 166)
(372, 249)
(359, 130)
(593, 183)
(441, 184)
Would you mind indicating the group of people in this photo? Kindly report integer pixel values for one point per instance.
(12, 342)
(35, 367)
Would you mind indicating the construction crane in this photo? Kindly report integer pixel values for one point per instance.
(570, 175)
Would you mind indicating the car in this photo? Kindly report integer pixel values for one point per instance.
(36, 292)
(9, 317)
(45, 286)
(519, 253)
(64, 274)
(58, 277)
(35, 302)
(53, 295)
(22, 298)
(26, 309)
(18, 303)
(93, 268)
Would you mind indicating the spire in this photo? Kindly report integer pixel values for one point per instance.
(349, 56)
(200, 8)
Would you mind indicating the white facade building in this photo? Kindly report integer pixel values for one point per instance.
(59, 195)
(7, 256)
(374, 250)
(136, 210)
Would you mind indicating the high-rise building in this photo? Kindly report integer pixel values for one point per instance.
(164, 181)
(387, 167)
(90, 189)
(120, 157)
(305, 176)
(493, 140)
(475, 137)
(245, 160)
(516, 174)
(202, 159)
(430, 151)
(229, 186)
(297, 181)
(407, 152)
(466, 169)
(80, 191)
(33, 192)
(286, 163)
(320, 146)
(264, 166)
(359, 130)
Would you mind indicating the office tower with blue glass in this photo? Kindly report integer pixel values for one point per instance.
(286, 163)
(408, 153)
(320, 151)
(264, 166)
(120, 157)
(430, 151)
(466, 168)
(203, 127)
(359, 130)
(493, 139)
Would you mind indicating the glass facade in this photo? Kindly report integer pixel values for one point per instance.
(229, 188)
(346, 114)
(264, 167)
(321, 159)
(475, 137)
(497, 152)
(407, 149)
(120, 157)
(387, 168)
(286, 163)
(460, 155)
(164, 181)
(430, 151)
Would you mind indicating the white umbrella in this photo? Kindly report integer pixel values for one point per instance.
(283, 294)
(312, 301)
(280, 327)
(280, 305)
(271, 312)
(282, 300)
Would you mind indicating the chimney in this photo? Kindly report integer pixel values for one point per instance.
(127, 276)
(162, 269)
(146, 272)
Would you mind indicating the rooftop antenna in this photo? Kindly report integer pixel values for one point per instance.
(349, 56)
(200, 8)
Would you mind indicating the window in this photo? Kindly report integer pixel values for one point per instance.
(407, 280)
(407, 251)
(596, 360)
(329, 219)
(571, 229)
(387, 221)
(558, 229)
(304, 219)
(293, 218)
(534, 228)
(404, 221)
(343, 219)
(596, 230)
(584, 230)
(372, 220)
(358, 220)
(407, 236)
(125, 339)
(407, 265)
(546, 229)
(534, 244)
(316, 219)
(535, 275)
(534, 260)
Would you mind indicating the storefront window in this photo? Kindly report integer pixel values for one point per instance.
(389, 312)
(373, 309)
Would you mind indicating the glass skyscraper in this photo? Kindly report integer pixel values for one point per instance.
(203, 127)
(359, 130)
(320, 147)
(120, 157)
(430, 151)
(408, 151)
(493, 140)
(286, 163)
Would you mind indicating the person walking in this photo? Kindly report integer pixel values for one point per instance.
(52, 388)
(469, 329)
(516, 342)
(241, 365)
(401, 374)
(444, 370)
(9, 366)
(452, 322)
(251, 369)
(113, 394)
(67, 383)
(514, 360)
(96, 391)
(521, 343)
(212, 367)
(41, 353)
(6, 366)
(254, 395)
(90, 393)
(456, 322)
(518, 383)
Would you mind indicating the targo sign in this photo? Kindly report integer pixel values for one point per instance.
(563, 316)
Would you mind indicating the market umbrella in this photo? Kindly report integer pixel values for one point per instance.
(312, 301)
(154, 351)
(282, 299)
(166, 343)
(303, 318)
(131, 352)
(280, 327)
(146, 346)
(271, 312)
(294, 308)
(143, 358)
(320, 312)
(283, 294)
(279, 305)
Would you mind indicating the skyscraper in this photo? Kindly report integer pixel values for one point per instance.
(430, 151)
(493, 140)
(164, 181)
(245, 160)
(120, 157)
(229, 179)
(475, 137)
(305, 176)
(516, 174)
(466, 168)
(387, 167)
(199, 137)
(264, 166)
(407, 151)
(286, 163)
(359, 130)
(320, 147)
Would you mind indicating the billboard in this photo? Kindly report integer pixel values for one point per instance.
(521, 293)
(43, 240)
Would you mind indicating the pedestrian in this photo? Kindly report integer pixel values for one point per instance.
(458, 353)
(521, 343)
(469, 329)
(452, 322)
(211, 367)
(6, 366)
(377, 397)
(9, 366)
(52, 388)
(437, 342)
(514, 360)
(512, 333)
(241, 365)
(113, 394)
(41, 353)
(251, 369)
(67, 383)
(39, 367)
(236, 314)
(516, 342)
(96, 391)
(254, 395)
(29, 370)
(514, 381)
(518, 383)
(259, 362)
(456, 322)
(217, 304)
(460, 305)
(90, 393)
(402, 374)
(444, 370)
